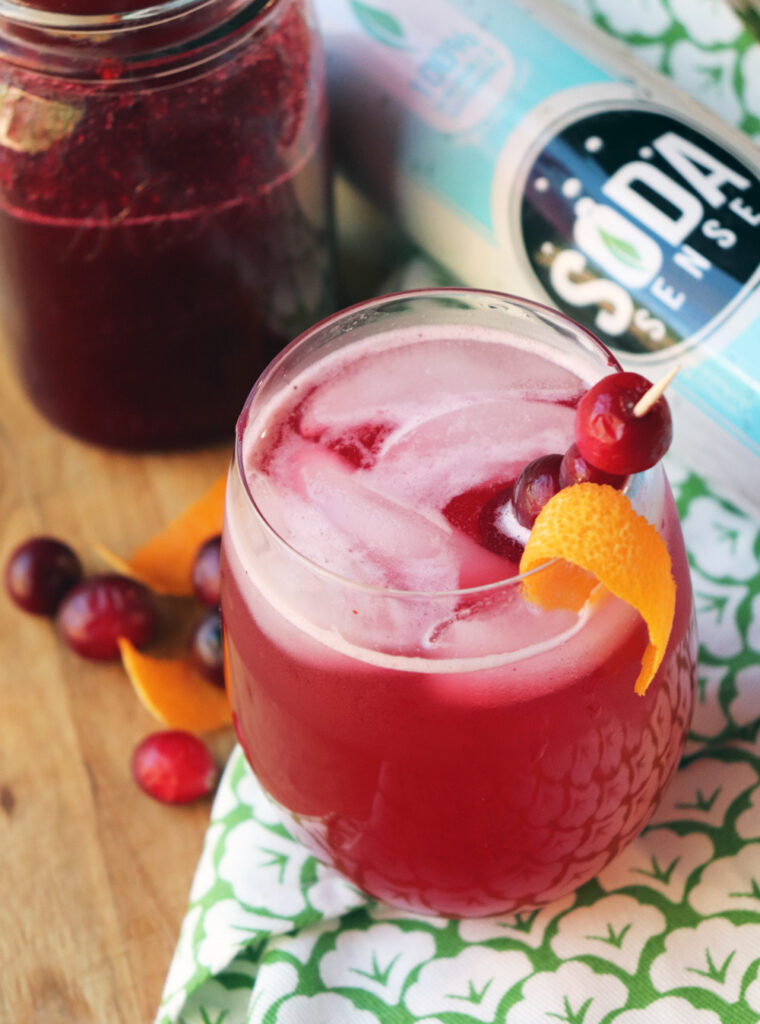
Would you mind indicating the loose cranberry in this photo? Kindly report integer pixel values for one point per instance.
(206, 572)
(608, 434)
(206, 648)
(575, 470)
(39, 573)
(538, 482)
(498, 527)
(100, 610)
(174, 767)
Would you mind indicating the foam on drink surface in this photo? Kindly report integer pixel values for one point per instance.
(353, 466)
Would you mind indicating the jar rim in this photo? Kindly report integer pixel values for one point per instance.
(27, 16)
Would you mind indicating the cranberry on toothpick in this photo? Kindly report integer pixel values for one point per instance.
(574, 469)
(619, 430)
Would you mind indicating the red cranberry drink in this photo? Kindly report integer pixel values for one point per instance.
(446, 743)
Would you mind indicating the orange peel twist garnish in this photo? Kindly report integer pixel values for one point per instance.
(596, 536)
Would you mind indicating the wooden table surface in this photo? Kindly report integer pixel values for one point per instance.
(95, 876)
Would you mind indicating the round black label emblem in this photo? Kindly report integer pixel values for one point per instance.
(640, 227)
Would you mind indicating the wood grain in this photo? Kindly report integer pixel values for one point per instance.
(94, 876)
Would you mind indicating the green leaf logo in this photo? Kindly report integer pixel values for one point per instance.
(622, 250)
(379, 24)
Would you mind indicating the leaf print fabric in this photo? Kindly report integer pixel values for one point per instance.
(665, 863)
(716, 956)
(670, 930)
(379, 959)
(574, 994)
(647, 18)
(614, 929)
(702, 45)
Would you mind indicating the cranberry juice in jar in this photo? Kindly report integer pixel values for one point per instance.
(164, 208)
(447, 744)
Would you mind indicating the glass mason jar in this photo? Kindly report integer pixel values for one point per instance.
(446, 744)
(164, 209)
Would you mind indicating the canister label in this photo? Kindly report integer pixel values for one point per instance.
(640, 227)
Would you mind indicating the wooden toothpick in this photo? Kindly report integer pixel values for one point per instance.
(647, 400)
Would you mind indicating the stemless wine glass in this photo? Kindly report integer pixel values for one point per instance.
(448, 746)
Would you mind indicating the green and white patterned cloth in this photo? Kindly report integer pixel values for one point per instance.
(702, 45)
(669, 933)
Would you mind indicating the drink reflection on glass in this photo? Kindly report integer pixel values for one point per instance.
(446, 744)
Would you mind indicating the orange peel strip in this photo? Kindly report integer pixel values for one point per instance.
(174, 692)
(597, 536)
(165, 562)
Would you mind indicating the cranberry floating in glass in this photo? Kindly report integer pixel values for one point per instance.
(164, 207)
(447, 745)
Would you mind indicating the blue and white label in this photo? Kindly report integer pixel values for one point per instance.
(526, 155)
(449, 72)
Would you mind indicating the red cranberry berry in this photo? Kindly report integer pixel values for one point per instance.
(206, 572)
(611, 437)
(206, 648)
(536, 484)
(498, 527)
(174, 767)
(39, 573)
(100, 610)
(575, 470)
